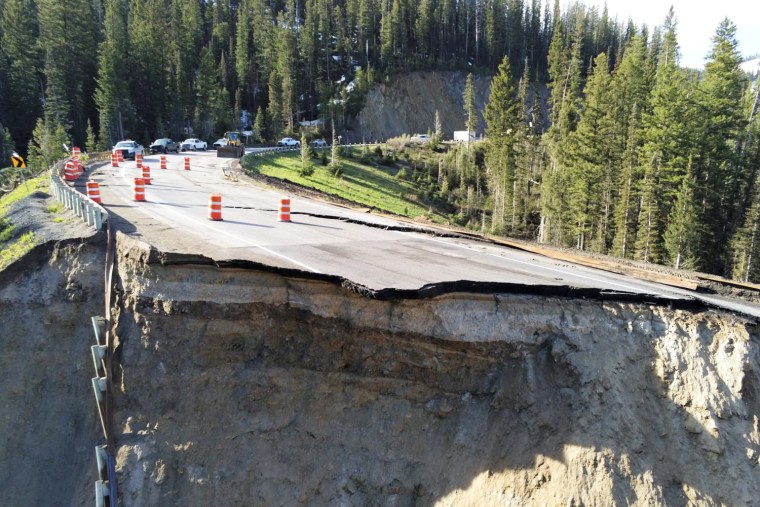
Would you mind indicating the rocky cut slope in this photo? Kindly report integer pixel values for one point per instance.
(407, 105)
(244, 385)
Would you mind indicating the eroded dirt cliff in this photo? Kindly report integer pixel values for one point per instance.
(49, 422)
(241, 385)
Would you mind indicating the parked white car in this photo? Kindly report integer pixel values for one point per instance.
(289, 142)
(128, 149)
(219, 143)
(193, 144)
(319, 143)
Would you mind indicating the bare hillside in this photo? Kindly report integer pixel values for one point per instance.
(407, 105)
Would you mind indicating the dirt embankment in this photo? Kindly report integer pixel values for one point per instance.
(49, 419)
(239, 385)
(408, 103)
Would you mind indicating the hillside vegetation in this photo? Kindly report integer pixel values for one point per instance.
(596, 138)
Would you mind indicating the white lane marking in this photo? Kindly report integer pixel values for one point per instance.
(534, 266)
(167, 207)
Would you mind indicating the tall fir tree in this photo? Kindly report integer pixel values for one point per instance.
(503, 125)
(19, 47)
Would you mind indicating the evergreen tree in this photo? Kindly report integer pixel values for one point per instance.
(669, 143)
(470, 108)
(19, 47)
(590, 158)
(91, 144)
(503, 125)
(721, 177)
(680, 236)
(112, 94)
(46, 146)
(69, 44)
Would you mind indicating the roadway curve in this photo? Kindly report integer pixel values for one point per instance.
(324, 238)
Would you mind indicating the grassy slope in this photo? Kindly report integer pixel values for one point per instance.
(13, 246)
(367, 185)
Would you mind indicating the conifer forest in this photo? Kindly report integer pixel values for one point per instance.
(595, 137)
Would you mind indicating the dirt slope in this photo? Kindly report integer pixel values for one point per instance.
(243, 386)
(407, 105)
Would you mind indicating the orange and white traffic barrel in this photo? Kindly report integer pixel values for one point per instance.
(146, 174)
(163, 161)
(70, 171)
(138, 160)
(120, 156)
(215, 207)
(139, 189)
(93, 191)
(114, 160)
(187, 163)
(284, 214)
(75, 152)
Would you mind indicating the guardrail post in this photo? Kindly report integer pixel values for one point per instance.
(101, 492)
(102, 460)
(99, 388)
(98, 357)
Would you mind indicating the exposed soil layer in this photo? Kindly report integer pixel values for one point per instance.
(250, 386)
(239, 383)
(49, 420)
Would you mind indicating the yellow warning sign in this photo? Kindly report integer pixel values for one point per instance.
(17, 160)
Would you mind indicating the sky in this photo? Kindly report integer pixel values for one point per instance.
(697, 21)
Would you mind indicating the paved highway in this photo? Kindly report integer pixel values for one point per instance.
(174, 218)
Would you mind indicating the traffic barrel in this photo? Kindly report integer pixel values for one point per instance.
(187, 163)
(120, 155)
(93, 191)
(139, 189)
(215, 207)
(146, 174)
(70, 171)
(284, 214)
(163, 161)
(138, 160)
(75, 152)
(114, 160)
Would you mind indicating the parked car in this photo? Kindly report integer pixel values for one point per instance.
(193, 144)
(421, 138)
(164, 145)
(289, 142)
(319, 143)
(219, 143)
(128, 149)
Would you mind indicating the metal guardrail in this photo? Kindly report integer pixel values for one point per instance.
(106, 491)
(88, 210)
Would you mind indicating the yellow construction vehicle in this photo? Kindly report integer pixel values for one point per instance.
(234, 146)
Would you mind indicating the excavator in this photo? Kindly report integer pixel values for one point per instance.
(234, 147)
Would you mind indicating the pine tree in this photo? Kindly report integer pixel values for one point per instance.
(69, 62)
(112, 93)
(91, 144)
(680, 237)
(258, 125)
(668, 134)
(18, 46)
(470, 108)
(721, 176)
(590, 158)
(503, 124)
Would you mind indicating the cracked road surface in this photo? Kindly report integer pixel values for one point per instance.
(329, 239)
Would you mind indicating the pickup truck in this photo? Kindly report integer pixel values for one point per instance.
(193, 144)
(289, 142)
(128, 149)
(164, 145)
